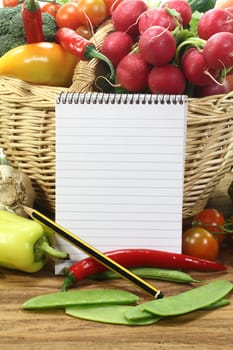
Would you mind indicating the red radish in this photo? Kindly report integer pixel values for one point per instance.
(218, 51)
(195, 68)
(212, 89)
(215, 21)
(156, 17)
(157, 45)
(132, 72)
(181, 6)
(125, 16)
(116, 45)
(229, 9)
(167, 79)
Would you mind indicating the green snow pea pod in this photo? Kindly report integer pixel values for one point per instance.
(114, 314)
(192, 300)
(151, 273)
(220, 303)
(139, 314)
(80, 297)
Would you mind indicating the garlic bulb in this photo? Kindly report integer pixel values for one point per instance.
(15, 190)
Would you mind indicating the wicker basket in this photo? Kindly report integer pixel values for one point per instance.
(27, 134)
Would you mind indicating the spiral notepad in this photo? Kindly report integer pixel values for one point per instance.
(119, 170)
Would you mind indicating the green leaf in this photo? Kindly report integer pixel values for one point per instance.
(183, 35)
(194, 22)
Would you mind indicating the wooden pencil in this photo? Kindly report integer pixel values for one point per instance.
(93, 252)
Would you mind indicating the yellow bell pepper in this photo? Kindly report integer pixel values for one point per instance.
(42, 63)
(24, 243)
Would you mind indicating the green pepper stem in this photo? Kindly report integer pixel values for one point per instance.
(91, 52)
(46, 248)
(32, 5)
(69, 280)
(42, 248)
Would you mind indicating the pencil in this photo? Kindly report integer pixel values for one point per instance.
(94, 253)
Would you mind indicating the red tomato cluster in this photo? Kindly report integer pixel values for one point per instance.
(81, 15)
(204, 238)
(75, 12)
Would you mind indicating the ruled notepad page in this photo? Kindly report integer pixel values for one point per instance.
(119, 174)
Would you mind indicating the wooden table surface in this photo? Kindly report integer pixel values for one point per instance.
(53, 330)
(23, 330)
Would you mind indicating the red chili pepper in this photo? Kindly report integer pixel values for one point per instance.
(32, 21)
(130, 258)
(81, 47)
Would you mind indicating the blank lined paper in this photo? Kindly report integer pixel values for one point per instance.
(119, 171)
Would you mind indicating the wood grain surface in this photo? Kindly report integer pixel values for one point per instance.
(48, 330)
(53, 330)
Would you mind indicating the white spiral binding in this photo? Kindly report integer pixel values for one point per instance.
(118, 98)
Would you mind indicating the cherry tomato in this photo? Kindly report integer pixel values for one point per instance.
(10, 3)
(211, 220)
(92, 11)
(111, 5)
(50, 8)
(198, 242)
(68, 16)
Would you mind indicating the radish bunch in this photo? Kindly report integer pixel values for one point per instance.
(160, 50)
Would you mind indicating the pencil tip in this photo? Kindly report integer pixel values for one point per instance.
(159, 295)
(27, 209)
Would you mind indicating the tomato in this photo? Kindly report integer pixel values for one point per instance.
(92, 11)
(198, 242)
(10, 3)
(212, 220)
(111, 5)
(223, 4)
(50, 8)
(68, 16)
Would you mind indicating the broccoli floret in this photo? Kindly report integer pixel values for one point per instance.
(7, 42)
(17, 42)
(12, 32)
(49, 26)
(16, 26)
(6, 14)
(11, 28)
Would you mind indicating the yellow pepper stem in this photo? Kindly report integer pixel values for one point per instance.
(43, 247)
